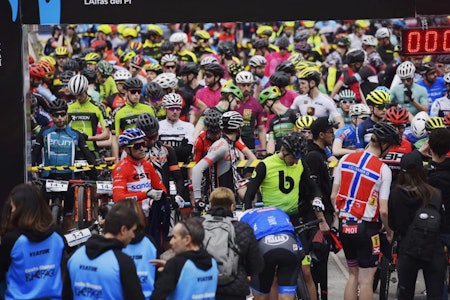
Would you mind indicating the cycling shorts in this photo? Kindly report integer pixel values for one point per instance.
(361, 242)
(282, 256)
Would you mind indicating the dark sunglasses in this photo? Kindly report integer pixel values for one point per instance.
(170, 66)
(382, 106)
(155, 99)
(305, 131)
(347, 101)
(137, 146)
(209, 75)
(407, 80)
(135, 91)
(174, 108)
(59, 114)
(363, 117)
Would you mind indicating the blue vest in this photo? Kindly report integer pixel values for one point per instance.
(35, 270)
(195, 283)
(141, 253)
(98, 278)
(268, 220)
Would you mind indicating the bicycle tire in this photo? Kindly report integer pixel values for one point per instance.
(385, 278)
(80, 199)
(56, 211)
(302, 289)
(376, 279)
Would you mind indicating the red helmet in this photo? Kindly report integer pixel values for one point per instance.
(447, 119)
(37, 71)
(397, 115)
(99, 45)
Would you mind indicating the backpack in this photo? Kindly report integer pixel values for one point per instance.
(423, 235)
(220, 242)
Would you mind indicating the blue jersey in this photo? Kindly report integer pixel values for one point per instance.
(347, 136)
(435, 91)
(268, 220)
(363, 133)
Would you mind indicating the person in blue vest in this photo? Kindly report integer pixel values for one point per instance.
(32, 248)
(192, 273)
(99, 269)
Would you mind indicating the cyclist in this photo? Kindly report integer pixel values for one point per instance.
(169, 63)
(118, 99)
(210, 93)
(312, 102)
(134, 177)
(201, 45)
(59, 143)
(285, 182)
(106, 84)
(179, 40)
(360, 192)
(334, 62)
(303, 125)
(369, 45)
(441, 106)
(85, 115)
(153, 41)
(208, 136)
(257, 64)
(153, 96)
(417, 132)
(346, 98)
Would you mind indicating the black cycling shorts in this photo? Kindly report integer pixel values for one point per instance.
(282, 256)
(361, 242)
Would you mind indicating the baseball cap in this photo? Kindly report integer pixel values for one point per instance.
(411, 162)
(321, 125)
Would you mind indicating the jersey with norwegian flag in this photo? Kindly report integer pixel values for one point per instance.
(360, 182)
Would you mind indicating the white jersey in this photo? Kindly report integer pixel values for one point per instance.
(176, 134)
(440, 107)
(321, 106)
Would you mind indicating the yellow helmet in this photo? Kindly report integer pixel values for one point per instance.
(129, 32)
(378, 97)
(289, 24)
(305, 64)
(154, 29)
(362, 23)
(61, 51)
(49, 59)
(304, 122)
(264, 30)
(92, 58)
(202, 35)
(310, 73)
(105, 28)
(434, 123)
(296, 59)
(309, 24)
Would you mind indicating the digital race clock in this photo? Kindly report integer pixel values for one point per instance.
(419, 41)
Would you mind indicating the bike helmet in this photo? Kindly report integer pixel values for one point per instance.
(168, 58)
(406, 70)
(264, 30)
(105, 28)
(257, 61)
(61, 51)
(202, 35)
(153, 29)
(105, 67)
(309, 24)
(418, 124)
(66, 75)
(71, 64)
(130, 136)
(229, 87)
(57, 105)
(147, 123)
(155, 67)
(209, 59)
(287, 67)
(122, 75)
(362, 23)
(382, 33)
(212, 119)
(303, 47)
(154, 90)
(136, 46)
(190, 68)
(178, 37)
(447, 119)
(295, 59)
(369, 40)
(90, 74)
(359, 109)
(427, 67)
(378, 97)
(355, 55)
(234, 69)
(447, 78)
(244, 77)
(127, 55)
(397, 115)
(138, 60)
(343, 42)
(283, 42)
(92, 58)
(171, 100)
(48, 68)
(260, 43)
(228, 25)
(215, 69)
(280, 79)
(132, 83)
(167, 80)
(434, 123)
(305, 64)
(37, 71)
(294, 143)
(310, 73)
(301, 35)
(231, 120)
(386, 133)
(270, 93)
(347, 94)
(304, 122)
(129, 32)
(78, 84)
(167, 46)
(99, 45)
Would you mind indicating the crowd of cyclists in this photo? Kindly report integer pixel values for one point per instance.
(180, 106)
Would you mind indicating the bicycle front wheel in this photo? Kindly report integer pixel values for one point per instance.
(385, 278)
(302, 289)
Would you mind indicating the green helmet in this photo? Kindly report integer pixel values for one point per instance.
(105, 67)
(230, 87)
(270, 93)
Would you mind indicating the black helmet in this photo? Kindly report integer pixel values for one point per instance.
(215, 69)
(66, 75)
(167, 46)
(280, 79)
(260, 43)
(427, 67)
(153, 90)
(226, 48)
(147, 123)
(283, 42)
(132, 83)
(386, 133)
(57, 104)
(286, 66)
(71, 64)
(90, 74)
(294, 143)
(355, 55)
(190, 68)
(212, 119)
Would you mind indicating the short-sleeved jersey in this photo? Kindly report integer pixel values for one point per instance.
(253, 115)
(126, 116)
(346, 135)
(321, 106)
(282, 125)
(419, 93)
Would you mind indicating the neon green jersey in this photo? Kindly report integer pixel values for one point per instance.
(126, 116)
(109, 87)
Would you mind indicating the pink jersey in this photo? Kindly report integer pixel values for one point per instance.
(209, 97)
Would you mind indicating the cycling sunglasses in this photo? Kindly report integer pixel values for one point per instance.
(135, 91)
(137, 146)
(59, 114)
(174, 108)
(347, 101)
(382, 106)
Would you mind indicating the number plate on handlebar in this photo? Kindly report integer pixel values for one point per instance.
(77, 237)
(104, 187)
(56, 185)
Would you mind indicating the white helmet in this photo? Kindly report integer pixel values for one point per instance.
(169, 58)
(418, 124)
(208, 60)
(369, 40)
(167, 80)
(359, 109)
(447, 77)
(406, 70)
(257, 60)
(122, 75)
(244, 77)
(172, 99)
(78, 84)
(382, 32)
(178, 37)
(347, 94)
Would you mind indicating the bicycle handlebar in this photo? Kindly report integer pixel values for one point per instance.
(308, 225)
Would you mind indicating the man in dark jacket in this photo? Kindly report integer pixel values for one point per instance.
(251, 262)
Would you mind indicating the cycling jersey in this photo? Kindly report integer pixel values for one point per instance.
(282, 125)
(346, 135)
(436, 90)
(440, 107)
(374, 59)
(208, 96)
(115, 100)
(201, 146)
(268, 220)
(107, 88)
(393, 157)
(419, 93)
(178, 135)
(321, 106)
(253, 115)
(361, 82)
(152, 49)
(126, 116)
(364, 132)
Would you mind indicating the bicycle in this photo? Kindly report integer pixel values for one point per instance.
(386, 266)
(56, 189)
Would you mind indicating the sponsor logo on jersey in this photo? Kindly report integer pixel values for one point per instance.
(276, 240)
